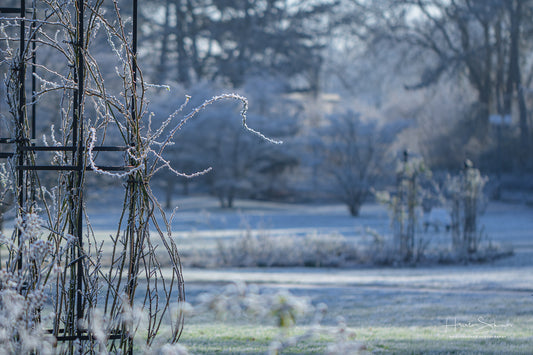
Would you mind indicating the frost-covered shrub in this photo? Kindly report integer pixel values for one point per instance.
(20, 333)
(238, 300)
(415, 202)
(31, 261)
(404, 205)
(263, 250)
(379, 250)
(466, 202)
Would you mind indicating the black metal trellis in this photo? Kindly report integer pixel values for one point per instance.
(24, 146)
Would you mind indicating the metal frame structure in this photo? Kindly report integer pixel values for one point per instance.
(25, 146)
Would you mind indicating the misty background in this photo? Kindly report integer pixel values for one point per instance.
(349, 86)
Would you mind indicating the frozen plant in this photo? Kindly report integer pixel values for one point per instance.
(466, 202)
(265, 250)
(285, 308)
(404, 206)
(236, 300)
(19, 333)
(23, 289)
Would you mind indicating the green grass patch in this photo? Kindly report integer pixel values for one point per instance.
(223, 338)
(461, 337)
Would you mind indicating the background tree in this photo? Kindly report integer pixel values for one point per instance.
(480, 41)
(180, 40)
(354, 156)
(231, 40)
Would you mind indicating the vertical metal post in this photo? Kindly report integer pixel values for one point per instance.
(134, 40)
(21, 120)
(76, 178)
(33, 90)
(132, 183)
(80, 68)
(33, 69)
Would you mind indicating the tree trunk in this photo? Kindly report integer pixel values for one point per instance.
(354, 209)
(522, 109)
(230, 196)
(169, 192)
(222, 201)
(197, 63)
(164, 44)
(524, 128)
(514, 82)
(183, 60)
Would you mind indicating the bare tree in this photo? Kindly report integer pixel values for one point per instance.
(354, 156)
(481, 41)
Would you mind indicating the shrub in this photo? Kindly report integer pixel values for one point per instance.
(404, 205)
(466, 202)
(263, 250)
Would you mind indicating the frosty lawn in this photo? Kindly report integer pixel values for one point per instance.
(477, 308)
(439, 310)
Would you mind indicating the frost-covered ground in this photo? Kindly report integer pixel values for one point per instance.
(199, 222)
(439, 309)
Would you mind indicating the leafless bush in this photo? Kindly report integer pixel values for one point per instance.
(352, 153)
